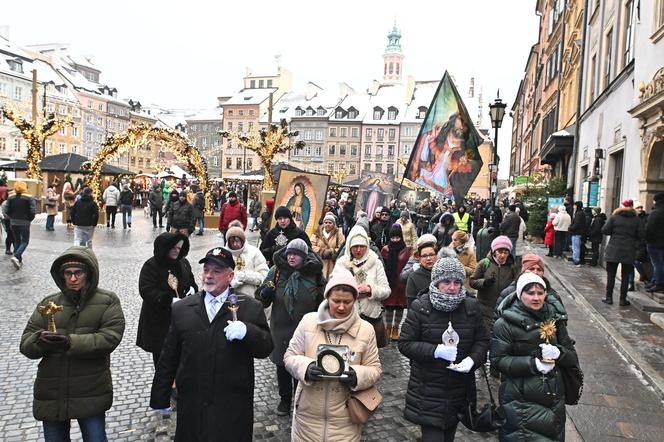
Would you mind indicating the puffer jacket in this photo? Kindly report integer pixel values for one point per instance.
(562, 220)
(320, 412)
(512, 289)
(418, 280)
(77, 383)
(435, 393)
(327, 248)
(654, 234)
(250, 269)
(111, 196)
(488, 294)
(596, 226)
(623, 227)
(181, 215)
(156, 198)
(85, 212)
(534, 404)
(366, 270)
(310, 286)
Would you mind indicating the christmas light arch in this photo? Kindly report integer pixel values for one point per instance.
(141, 135)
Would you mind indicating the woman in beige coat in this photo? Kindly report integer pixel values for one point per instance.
(466, 254)
(326, 242)
(320, 412)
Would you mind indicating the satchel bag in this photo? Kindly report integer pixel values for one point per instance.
(379, 329)
(489, 418)
(573, 383)
(362, 404)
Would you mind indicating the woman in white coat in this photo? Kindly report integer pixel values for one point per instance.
(369, 273)
(320, 412)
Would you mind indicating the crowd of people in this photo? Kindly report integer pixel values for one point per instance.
(320, 308)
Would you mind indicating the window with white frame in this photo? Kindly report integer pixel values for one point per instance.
(354, 132)
(17, 144)
(320, 112)
(608, 55)
(238, 163)
(353, 169)
(331, 149)
(319, 134)
(368, 133)
(89, 104)
(49, 148)
(62, 147)
(310, 112)
(307, 135)
(390, 169)
(353, 150)
(330, 168)
(100, 138)
(3, 89)
(318, 150)
(101, 107)
(229, 163)
(390, 149)
(367, 151)
(88, 137)
(380, 134)
(74, 148)
(379, 149)
(333, 132)
(50, 108)
(379, 168)
(628, 31)
(215, 161)
(63, 131)
(352, 113)
(342, 150)
(18, 93)
(3, 144)
(339, 113)
(100, 121)
(343, 132)
(377, 113)
(367, 167)
(391, 134)
(392, 114)
(88, 118)
(74, 131)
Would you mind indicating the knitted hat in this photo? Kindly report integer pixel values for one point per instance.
(364, 223)
(358, 237)
(460, 235)
(20, 187)
(282, 212)
(361, 214)
(235, 231)
(426, 240)
(341, 276)
(269, 205)
(501, 242)
(638, 204)
(447, 268)
(232, 194)
(526, 279)
(628, 203)
(298, 247)
(405, 213)
(395, 230)
(329, 216)
(74, 264)
(530, 260)
(385, 209)
(659, 196)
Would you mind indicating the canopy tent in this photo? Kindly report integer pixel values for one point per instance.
(258, 175)
(65, 162)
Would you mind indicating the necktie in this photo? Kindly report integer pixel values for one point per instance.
(214, 306)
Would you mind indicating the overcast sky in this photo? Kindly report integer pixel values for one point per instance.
(183, 54)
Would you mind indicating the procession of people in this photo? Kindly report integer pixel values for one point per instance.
(321, 308)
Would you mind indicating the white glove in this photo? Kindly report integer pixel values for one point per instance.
(174, 300)
(464, 366)
(239, 276)
(550, 351)
(543, 367)
(235, 283)
(445, 352)
(235, 330)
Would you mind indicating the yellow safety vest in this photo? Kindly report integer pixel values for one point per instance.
(462, 223)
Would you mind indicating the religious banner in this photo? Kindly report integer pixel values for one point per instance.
(375, 191)
(446, 158)
(304, 194)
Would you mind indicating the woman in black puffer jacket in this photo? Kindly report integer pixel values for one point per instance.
(436, 391)
(532, 392)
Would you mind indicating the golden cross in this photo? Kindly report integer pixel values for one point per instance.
(49, 310)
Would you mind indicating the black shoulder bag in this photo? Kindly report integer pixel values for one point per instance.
(489, 418)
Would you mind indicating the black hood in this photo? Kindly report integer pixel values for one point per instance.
(165, 242)
(86, 197)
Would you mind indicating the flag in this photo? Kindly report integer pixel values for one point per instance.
(445, 157)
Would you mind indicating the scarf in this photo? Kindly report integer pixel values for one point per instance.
(393, 262)
(444, 302)
(237, 252)
(292, 287)
(326, 234)
(335, 325)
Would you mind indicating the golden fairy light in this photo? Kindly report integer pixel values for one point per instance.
(340, 174)
(140, 135)
(35, 135)
(267, 143)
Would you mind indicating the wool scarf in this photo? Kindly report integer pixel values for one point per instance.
(444, 302)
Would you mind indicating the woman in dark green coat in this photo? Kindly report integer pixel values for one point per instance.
(532, 392)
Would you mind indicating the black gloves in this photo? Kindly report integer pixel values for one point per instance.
(52, 342)
(314, 373)
(267, 294)
(351, 379)
(488, 282)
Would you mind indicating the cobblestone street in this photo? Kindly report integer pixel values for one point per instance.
(121, 254)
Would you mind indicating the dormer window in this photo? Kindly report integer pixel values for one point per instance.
(338, 113)
(16, 65)
(320, 111)
(299, 111)
(352, 113)
(310, 112)
(392, 113)
(378, 113)
(421, 112)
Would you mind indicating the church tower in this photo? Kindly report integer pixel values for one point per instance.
(393, 57)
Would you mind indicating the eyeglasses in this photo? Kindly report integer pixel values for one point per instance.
(76, 274)
(428, 255)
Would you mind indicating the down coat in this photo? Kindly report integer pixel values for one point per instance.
(625, 233)
(309, 286)
(251, 273)
(76, 384)
(320, 412)
(327, 248)
(157, 295)
(436, 394)
(488, 294)
(534, 404)
(366, 270)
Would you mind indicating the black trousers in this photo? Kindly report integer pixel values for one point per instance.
(110, 215)
(595, 249)
(611, 270)
(156, 212)
(155, 358)
(435, 434)
(287, 384)
(559, 240)
(9, 237)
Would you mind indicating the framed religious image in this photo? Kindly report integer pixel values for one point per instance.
(304, 194)
(375, 191)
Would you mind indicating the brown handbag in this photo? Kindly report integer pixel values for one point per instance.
(362, 404)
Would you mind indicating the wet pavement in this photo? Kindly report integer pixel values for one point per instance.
(618, 401)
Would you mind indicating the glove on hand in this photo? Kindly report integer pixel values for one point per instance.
(235, 283)
(488, 282)
(543, 367)
(550, 351)
(445, 352)
(314, 373)
(267, 293)
(235, 330)
(350, 379)
(239, 277)
(464, 366)
(54, 342)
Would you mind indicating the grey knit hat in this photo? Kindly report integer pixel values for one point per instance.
(298, 247)
(447, 268)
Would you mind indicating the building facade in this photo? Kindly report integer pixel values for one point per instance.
(203, 130)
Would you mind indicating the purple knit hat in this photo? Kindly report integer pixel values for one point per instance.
(501, 242)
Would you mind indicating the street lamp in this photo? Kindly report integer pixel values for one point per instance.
(497, 111)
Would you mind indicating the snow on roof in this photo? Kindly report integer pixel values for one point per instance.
(359, 102)
(422, 97)
(387, 96)
(215, 114)
(562, 133)
(250, 96)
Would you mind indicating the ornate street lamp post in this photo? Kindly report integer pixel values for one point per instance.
(497, 111)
